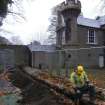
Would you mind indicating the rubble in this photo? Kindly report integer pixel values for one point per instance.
(9, 94)
(60, 88)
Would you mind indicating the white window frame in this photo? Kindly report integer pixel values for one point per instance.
(93, 36)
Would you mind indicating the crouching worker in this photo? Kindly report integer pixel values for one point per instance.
(81, 84)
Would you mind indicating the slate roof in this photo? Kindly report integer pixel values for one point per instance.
(102, 20)
(91, 22)
(46, 48)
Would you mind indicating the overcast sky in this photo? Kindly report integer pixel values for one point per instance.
(36, 15)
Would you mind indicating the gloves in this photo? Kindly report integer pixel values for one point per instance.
(87, 82)
(78, 91)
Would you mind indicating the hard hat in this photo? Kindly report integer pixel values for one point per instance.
(80, 70)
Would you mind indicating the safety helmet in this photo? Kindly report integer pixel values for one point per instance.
(80, 70)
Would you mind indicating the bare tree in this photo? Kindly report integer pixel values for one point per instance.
(16, 40)
(4, 9)
(35, 42)
(7, 7)
(103, 4)
(52, 28)
(99, 9)
(14, 9)
(103, 7)
(4, 41)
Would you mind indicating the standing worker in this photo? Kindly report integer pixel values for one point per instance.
(81, 84)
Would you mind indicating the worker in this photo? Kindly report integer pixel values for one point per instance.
(81, 83)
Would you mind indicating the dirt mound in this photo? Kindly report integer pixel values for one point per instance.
(41, 88)
(39, 94)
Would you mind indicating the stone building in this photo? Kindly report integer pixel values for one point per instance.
(81, 39)
(12, 55)
(44, 56)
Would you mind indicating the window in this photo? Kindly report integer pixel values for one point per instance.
(69, 56)
(89, 55)
(68, 30)
(91, 36)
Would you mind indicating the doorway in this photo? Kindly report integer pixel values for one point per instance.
(101, 61)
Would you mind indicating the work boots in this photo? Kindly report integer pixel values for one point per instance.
(93, 101)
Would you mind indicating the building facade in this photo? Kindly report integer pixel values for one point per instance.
(14, 55)
(44, 56)
(80, 39)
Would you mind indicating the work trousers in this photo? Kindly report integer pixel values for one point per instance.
(90, 89)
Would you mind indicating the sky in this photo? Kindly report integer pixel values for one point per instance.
(35, 23)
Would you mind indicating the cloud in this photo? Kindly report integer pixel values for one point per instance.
(37, 13)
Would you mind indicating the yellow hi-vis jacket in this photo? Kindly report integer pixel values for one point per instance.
(77, 80)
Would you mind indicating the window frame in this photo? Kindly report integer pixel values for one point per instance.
(90, 36)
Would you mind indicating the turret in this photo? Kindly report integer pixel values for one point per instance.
(70, 9)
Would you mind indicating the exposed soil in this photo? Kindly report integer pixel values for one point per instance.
(37, 93)
(98, 76)
(40, 94)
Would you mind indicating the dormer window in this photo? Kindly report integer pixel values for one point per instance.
(91, 36)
